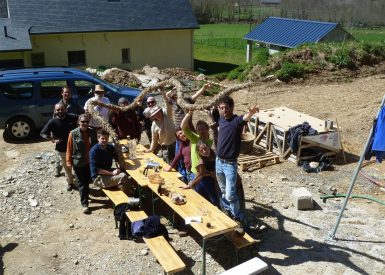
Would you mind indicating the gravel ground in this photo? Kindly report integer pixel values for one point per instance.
(43, 230)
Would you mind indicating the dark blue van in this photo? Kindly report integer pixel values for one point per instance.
(28, 96)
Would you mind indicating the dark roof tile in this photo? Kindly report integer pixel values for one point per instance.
(74, 16)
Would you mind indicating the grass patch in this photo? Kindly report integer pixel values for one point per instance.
(290, 70)
(368, 35)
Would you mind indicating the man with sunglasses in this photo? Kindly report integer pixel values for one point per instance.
(80, 140)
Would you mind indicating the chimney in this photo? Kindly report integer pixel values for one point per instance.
(5, 31)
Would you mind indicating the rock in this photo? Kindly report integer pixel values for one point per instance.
(144, 252)
(38, 157)
(31, 196)
(182, 234)
(71, 225)
(285, 206)
(270, 77)
(311, 184)
(76, 262)
(327, 189)
(54, 255)
(32, 202)
(6, 194)
(302, 198)
(283, 178)
(200, 77)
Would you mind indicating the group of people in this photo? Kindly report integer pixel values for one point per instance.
(206, 155)
(82, 145)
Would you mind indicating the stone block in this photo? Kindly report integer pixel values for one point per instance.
(302, 198)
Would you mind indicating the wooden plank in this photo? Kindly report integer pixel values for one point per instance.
(165, 254)
(330, 141)
(250, 267)
(261, 133)
(160, 247)
(116, 196)
(276, 138)
(286, 118)
(240, 241)
(135, 168)
(196, 205)
(136, 215)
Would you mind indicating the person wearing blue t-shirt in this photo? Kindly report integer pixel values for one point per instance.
(228, 148)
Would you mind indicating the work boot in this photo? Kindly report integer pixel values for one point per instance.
(86, 210)
(70, 187)
(239, 230)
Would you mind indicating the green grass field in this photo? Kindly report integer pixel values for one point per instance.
(367, 35)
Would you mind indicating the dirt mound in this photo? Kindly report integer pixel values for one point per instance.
(323, 63)
(121, 77)
(179, 73)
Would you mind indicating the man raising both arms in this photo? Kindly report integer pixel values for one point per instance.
(228, 148)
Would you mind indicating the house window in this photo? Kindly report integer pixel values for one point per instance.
(37, 59)
(3, 9)
(76, 58)
(126, 55)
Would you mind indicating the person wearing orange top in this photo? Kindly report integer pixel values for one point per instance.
(80, 140)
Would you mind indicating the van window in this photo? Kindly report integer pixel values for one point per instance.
(52, 88)
(21, 90)
(83, 88)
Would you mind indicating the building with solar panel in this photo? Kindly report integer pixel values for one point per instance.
(278, 34)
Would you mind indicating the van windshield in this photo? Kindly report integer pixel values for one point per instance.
(107, 84)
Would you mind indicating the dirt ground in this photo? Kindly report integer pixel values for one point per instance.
(62, 240)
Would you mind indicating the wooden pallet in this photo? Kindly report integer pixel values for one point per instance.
(257, 159)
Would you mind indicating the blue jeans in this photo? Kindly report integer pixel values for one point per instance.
(206, 188)
(227, 180)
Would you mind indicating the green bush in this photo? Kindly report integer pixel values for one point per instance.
(343, 58)
(290, 70)
(261, 57)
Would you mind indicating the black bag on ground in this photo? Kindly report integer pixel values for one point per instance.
(124, 222)
(149, 228)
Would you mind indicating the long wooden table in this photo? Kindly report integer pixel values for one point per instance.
(214, 222)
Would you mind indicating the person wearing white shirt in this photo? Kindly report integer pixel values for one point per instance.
(103, 112)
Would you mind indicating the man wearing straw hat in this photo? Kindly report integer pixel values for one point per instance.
(103, 112)
(163, 133)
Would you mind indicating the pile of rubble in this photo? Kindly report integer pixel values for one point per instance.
(147, 76)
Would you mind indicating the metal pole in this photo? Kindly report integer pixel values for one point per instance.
(333, 234)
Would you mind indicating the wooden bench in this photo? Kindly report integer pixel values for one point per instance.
(240, 242)
(160, 247)
(250, 267)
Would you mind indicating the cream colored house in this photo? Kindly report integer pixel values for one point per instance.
(90, 33)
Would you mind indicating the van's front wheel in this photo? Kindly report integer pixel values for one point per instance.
(20, 128)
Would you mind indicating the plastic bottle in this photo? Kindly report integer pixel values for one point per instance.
(133, 149)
